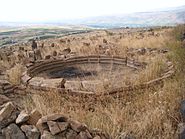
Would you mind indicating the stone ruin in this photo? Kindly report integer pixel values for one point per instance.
(16, 124)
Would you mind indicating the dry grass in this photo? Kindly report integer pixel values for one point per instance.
(152, 113)
(14, 74)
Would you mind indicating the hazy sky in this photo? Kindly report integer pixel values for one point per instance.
(44, 10)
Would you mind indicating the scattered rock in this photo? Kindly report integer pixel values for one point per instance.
(31, 131)
(13, 132)
(22, 117)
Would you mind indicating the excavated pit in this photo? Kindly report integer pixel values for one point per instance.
(84, 73)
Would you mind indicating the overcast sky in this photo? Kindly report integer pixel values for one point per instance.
(47, 10)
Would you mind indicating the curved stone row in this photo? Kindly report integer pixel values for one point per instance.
(52, 65)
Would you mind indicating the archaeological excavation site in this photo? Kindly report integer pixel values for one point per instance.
(124, 83)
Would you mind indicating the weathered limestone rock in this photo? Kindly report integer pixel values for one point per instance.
(13, 132)
(6, 111)
(34, 117)
(36, 81)
(31, 131)
(77, 126)
(22, 117)
(53, 83)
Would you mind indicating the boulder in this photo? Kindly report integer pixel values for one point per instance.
(13, 132)
(22, 117)
(34, 117)
(30, 131)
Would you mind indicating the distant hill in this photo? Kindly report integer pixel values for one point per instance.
(164, 17)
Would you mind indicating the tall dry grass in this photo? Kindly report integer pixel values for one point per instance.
(14, 74)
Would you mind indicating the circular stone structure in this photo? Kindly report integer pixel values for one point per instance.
(81, 74)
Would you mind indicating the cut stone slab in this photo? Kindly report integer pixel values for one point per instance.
(34, 117)
(54, 83)
(73, 85)
(13, 132)
(36, 81)
(22, 117)
(31, 131)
